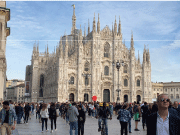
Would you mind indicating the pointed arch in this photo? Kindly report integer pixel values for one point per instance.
(107, 50)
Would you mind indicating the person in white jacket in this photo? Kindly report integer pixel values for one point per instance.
(44, 116)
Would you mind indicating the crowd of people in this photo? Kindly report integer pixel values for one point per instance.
(161, 117)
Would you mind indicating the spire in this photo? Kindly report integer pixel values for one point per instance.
(88, 27)
(132, 42)
(38, 47)
(115, 27)
(119, 27)
(73, 20)
(85, 30)
(47, 48)
(98, 24)
(138, 57)
(112, 29)
(147, 54)
(144, 54)
(94, 24)
(80, 32)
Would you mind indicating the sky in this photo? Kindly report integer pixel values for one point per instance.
(155, 24)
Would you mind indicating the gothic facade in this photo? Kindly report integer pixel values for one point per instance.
(83, 66)
(4, 32)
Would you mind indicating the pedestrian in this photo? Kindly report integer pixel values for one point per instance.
(144, 114)
(73, 118)
(137, 113)
(19, 113)
(27, 110)
(44, 116)
(163, 122)
(7, 115)
(123, 117)
(177, 108)
(52, 116)
(131, 112)
(81, 120)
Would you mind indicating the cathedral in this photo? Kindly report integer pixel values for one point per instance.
(85, 65)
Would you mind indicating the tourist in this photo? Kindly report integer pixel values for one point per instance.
(137, 113)
(144, 114)
(7, 115)
(163, 122)
(81, 120)
(177, 108)
(52, 116)
(27, 110)
(19, 113)
(131, 112)
(73, 119)
(123, 117)
(44, 116)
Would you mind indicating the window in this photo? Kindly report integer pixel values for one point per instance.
(177, 89)
(71, 80)
(138, 82)
(157, 89)
(171, 96)
(41, 85)
(86, 80)
(106, 70)
(125, 68)
(106, 50)
(154, 90)
(166, 90)
(171, 90)
(161, 89)
(86, 66)
(125, 82)
(177, 96)
(19, 95)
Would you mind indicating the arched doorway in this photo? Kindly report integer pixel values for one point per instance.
(106, 95)
(138, 98)
(86, 97)
(125, 98)
(71, 97)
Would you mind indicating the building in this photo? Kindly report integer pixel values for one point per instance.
(19, 93)
(10, 94)
(4, 32)
(83, 66)
(170, 88)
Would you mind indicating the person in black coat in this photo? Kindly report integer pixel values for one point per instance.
(81, 120)
(177, 108)
(27, 110)
(52, 116)
(154, 120)
(19, 113)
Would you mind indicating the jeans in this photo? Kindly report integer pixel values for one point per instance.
(67, 118)
(26, 117)
(44, 120)
(74, 125)
(80, 128)
(123, 126)
(53, 119)
(105, 123)
(129, 123)
(19, 118)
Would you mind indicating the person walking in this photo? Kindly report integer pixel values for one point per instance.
(144, 114)
(73, 118)
(7, 115)
(52, 116)
(81, 120)
(137, 113)
(44, 116)
(163, 122)
(123, 117)
(27, 110)
(131, 112)
(19, 113)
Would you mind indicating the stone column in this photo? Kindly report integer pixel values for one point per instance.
(3, 38)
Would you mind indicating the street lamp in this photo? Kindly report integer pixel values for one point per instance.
(86, 83)
(118, 65)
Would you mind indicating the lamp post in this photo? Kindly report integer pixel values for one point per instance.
(86, 78)
(118, 65)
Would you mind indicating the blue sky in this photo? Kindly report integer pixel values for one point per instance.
(153, 23)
